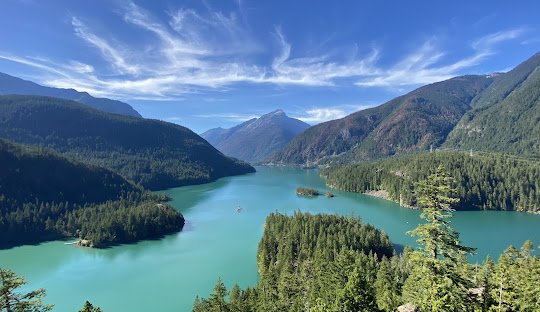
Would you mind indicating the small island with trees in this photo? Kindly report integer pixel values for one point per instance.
(304, 191)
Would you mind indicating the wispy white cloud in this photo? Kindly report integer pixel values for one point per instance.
(173, 119)
(486, 43)
(322, 114)
(318, 115)
(80, 67)
(530, 41)
(426, 66)
(194, 51)
(319, 70)
(234, 117)
(112, 54)
(50, 68)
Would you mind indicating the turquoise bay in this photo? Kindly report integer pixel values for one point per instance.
(217, 242)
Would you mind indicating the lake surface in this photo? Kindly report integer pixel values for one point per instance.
(217, 242)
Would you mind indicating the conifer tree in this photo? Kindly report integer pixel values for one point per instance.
(386, 287)
(89, 307)
(236, 302)
(437, 237)
(13, 301)
(436, 282)
(217, 299)
(356, 295)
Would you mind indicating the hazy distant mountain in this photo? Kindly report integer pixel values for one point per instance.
(151, 153)
(258, 138)
(406, 124)
(14, 85)
(506, 116)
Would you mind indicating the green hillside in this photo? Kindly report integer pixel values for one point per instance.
(485, 181)
(506, 117)
(151, 153)
(46, 196)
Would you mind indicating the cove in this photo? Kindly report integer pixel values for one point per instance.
(218, 242)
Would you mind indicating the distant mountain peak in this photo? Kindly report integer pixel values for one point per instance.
(258, 138)
(278, 113)
(405, 124)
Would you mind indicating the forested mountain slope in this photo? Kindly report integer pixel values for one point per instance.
(14, 85)
(409, 123)
(483, 181)
(506, 116)
(151, 153)
(30, 174)
(46, 196)
(258, 138)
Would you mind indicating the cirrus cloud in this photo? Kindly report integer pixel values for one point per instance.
(193, 51)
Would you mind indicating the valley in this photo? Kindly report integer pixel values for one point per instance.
(252, 156)
(217, 242)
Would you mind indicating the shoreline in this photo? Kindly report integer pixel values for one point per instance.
(383, 194)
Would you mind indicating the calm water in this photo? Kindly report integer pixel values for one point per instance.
(167, 274)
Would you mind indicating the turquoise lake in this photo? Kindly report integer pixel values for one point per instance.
(217, 242)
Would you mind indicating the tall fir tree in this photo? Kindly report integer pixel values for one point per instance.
(437, 194)
(436, 282)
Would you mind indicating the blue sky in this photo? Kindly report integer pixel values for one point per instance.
(205, 64)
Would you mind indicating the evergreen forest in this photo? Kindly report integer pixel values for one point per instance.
(328, 263)
(484, 181)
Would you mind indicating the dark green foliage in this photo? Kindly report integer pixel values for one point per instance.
(436, 196)
(435, 282)
(409, 123)
(513, 283)
(28, 174)
(506, 117)
(388, 284)
(89, 307)
(45, 196)
(11, 300)
(356, 295)
(307, 261)
(299, 237)
(151, 153)
(484, 181)
(136, 217)
(324, 263)
(258, 138)
(123, 221)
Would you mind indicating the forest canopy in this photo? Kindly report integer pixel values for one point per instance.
(483, 181)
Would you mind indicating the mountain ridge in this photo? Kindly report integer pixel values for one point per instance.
(405, 124)
(14, 85)
(258, 138)
(151, 153)
(506, 117)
